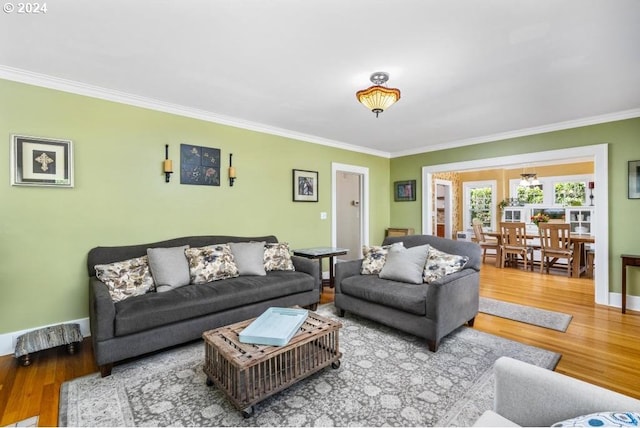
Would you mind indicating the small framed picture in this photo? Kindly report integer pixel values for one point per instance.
(305, 186)
(404, 191)
(37, 161)
(634, 180)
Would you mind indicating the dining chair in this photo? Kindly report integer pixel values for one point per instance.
(514, 243)
(484, 242)
(555, 244)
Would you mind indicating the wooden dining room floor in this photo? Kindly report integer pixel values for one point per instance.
(601, 345)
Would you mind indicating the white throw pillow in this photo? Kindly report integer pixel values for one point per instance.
(249, 257)
(169, 267)
(405, 264)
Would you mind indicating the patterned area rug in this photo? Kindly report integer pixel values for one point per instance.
(527, 314)
(386, 378)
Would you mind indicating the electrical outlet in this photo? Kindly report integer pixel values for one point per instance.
(323, 215)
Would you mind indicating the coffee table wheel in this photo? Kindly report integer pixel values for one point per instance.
(335, 364)
(248, 412)
(209, 381)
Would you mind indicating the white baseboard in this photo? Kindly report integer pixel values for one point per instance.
(633, 302)
(8, 340)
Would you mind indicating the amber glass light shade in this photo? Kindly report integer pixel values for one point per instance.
(378, 98)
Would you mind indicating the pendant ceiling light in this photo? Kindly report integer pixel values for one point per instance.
(378, 98)
(529, 179)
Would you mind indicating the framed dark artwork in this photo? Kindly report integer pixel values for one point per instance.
(634, 180)
(37, 161)
(199, 165)
(305, 186)
(404, 190)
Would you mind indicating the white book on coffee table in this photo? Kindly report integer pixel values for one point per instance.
(276, 327)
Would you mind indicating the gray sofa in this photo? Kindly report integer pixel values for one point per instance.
(153, 321)
(430, 311)
(528, 395)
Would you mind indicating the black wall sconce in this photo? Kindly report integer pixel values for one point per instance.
(167, 166)
(232, 170)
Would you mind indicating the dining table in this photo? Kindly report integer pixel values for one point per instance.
(577, 239)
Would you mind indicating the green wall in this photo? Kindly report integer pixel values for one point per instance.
(623, 139)
(120, 195)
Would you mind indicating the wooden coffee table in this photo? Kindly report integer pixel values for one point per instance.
(248, 373)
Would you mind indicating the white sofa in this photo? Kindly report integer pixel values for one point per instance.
(528, 395)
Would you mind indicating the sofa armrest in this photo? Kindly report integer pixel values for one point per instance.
(102, 310)
(345, 270)
(310, 266)
(533, 396)
(453, 296)
(453, 277)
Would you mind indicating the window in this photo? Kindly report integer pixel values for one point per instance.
(559, 191)
(569, 193)
(531, 194)
(479, 203)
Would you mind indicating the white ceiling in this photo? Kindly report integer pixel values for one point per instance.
(469, 71)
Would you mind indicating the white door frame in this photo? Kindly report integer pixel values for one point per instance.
(600, 155)
(364, 201)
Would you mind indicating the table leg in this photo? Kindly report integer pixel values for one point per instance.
(331, 276)
(624, 285)
(577, 252)
(320, 267)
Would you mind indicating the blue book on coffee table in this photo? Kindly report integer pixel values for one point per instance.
(276, 327)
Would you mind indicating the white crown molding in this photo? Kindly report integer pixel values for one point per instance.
(37, 79)
(78, 88)
(593, 120)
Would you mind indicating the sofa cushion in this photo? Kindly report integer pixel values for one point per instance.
(405, 264)
(440, 264)
(603, 419)
(127, 278)
(249, 257)
(156, 309)
(374, 258)
(211, 263)
(277, 256)
(169, 267)
(399, 295)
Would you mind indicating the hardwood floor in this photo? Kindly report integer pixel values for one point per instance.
(601, 345)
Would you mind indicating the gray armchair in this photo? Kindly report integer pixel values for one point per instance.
(528, 395)
(430, 311)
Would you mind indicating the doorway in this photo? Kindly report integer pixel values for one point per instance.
(350, 206)
(443, 218)
(597, 152)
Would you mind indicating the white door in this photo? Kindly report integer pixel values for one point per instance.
(349, 213)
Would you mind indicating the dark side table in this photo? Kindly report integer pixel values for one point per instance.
(320, 253)
(627, 260)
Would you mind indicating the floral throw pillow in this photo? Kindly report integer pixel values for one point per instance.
(603, 419)
(211, 263)
(277, 257)
(440, 264)
(375, 258)
(127, 278)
